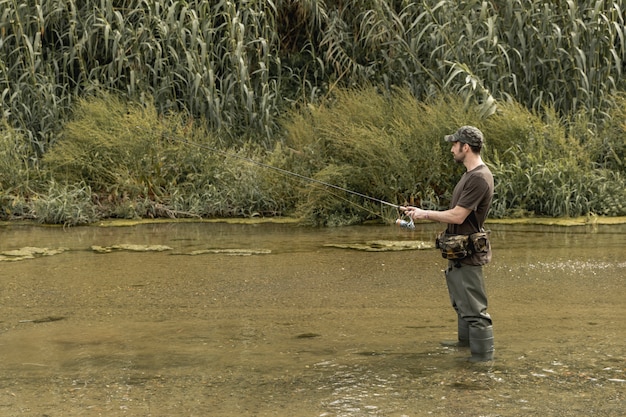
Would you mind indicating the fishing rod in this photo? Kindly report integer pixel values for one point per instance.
(402, 223)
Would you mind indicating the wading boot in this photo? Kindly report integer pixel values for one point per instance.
(481, 344)
(463, 336)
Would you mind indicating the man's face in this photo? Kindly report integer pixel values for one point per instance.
(458, 151)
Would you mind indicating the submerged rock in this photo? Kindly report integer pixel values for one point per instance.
(237, 252)
(384, 245)
(130, 247)
(29, 252)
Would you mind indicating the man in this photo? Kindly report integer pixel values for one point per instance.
(471, 200)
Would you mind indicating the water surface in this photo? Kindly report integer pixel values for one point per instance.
(293, 327)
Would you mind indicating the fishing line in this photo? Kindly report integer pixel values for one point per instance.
(286, 172)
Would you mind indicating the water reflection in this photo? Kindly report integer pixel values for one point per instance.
(303, 329)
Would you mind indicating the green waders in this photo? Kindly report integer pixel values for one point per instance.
(463, 339)
(469, 300)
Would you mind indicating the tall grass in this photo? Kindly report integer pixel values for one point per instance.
(140, 164)
(288, 81)
(548, 170)
(66, 204)
(568, 55)
(392, 149)
(387, 147)
(19, 173)
(123, 159)
(217, 61)
(18, 163)
(556, 187)
(609, 149)
(240, 65)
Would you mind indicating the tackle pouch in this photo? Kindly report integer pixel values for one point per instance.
(479, 242)
(453, 246)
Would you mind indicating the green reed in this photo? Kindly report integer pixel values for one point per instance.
(239, 65)
(289, 82)
(66, 204)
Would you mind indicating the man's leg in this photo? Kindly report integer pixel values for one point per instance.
(469, 299)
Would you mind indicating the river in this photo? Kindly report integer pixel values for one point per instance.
(219, 319)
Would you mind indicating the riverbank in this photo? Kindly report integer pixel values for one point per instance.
(541, 221)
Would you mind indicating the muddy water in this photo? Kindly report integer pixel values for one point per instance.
(283, 325)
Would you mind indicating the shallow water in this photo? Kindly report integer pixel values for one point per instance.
(300, 328)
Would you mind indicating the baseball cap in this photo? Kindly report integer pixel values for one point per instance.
(467, 134)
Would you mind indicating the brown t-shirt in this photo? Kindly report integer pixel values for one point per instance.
(474, 191)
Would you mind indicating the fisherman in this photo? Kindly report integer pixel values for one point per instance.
(465, 243)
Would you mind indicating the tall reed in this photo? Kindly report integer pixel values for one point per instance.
(240, 65)
(240, 69)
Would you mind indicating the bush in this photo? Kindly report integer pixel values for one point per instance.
(140, 164)
(555, 187)
(344, 162)
(20, 176)
(18, 164)
(609, 148)
(391, 148)
(387, 147)
(66, 204)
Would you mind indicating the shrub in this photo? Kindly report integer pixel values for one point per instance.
(18, 165)
(141, 164)
(67, 204)
(387, 147)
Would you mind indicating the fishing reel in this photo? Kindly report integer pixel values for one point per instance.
(406, 224)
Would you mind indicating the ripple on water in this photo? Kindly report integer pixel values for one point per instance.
(575, 266)
(354, 390)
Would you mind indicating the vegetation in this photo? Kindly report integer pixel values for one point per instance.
(124, 160)
(129, 108)
(393, 150)
(141, 164)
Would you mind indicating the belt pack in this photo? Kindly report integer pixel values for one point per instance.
(461, 246)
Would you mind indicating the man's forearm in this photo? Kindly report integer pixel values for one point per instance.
(455, 215)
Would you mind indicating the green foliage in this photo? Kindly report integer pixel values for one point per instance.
(239, 65)
(123, 159)
(20, 176)
(112, 143)
(391, 148)
(542, 169)
(555, 187)
(216, 60)
(17, 162)
(231, 184)
(140, 164)
(386, 147)
(567, 55)
(66, 204)
(608, 150)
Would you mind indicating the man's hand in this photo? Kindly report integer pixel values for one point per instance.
(415, 213)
